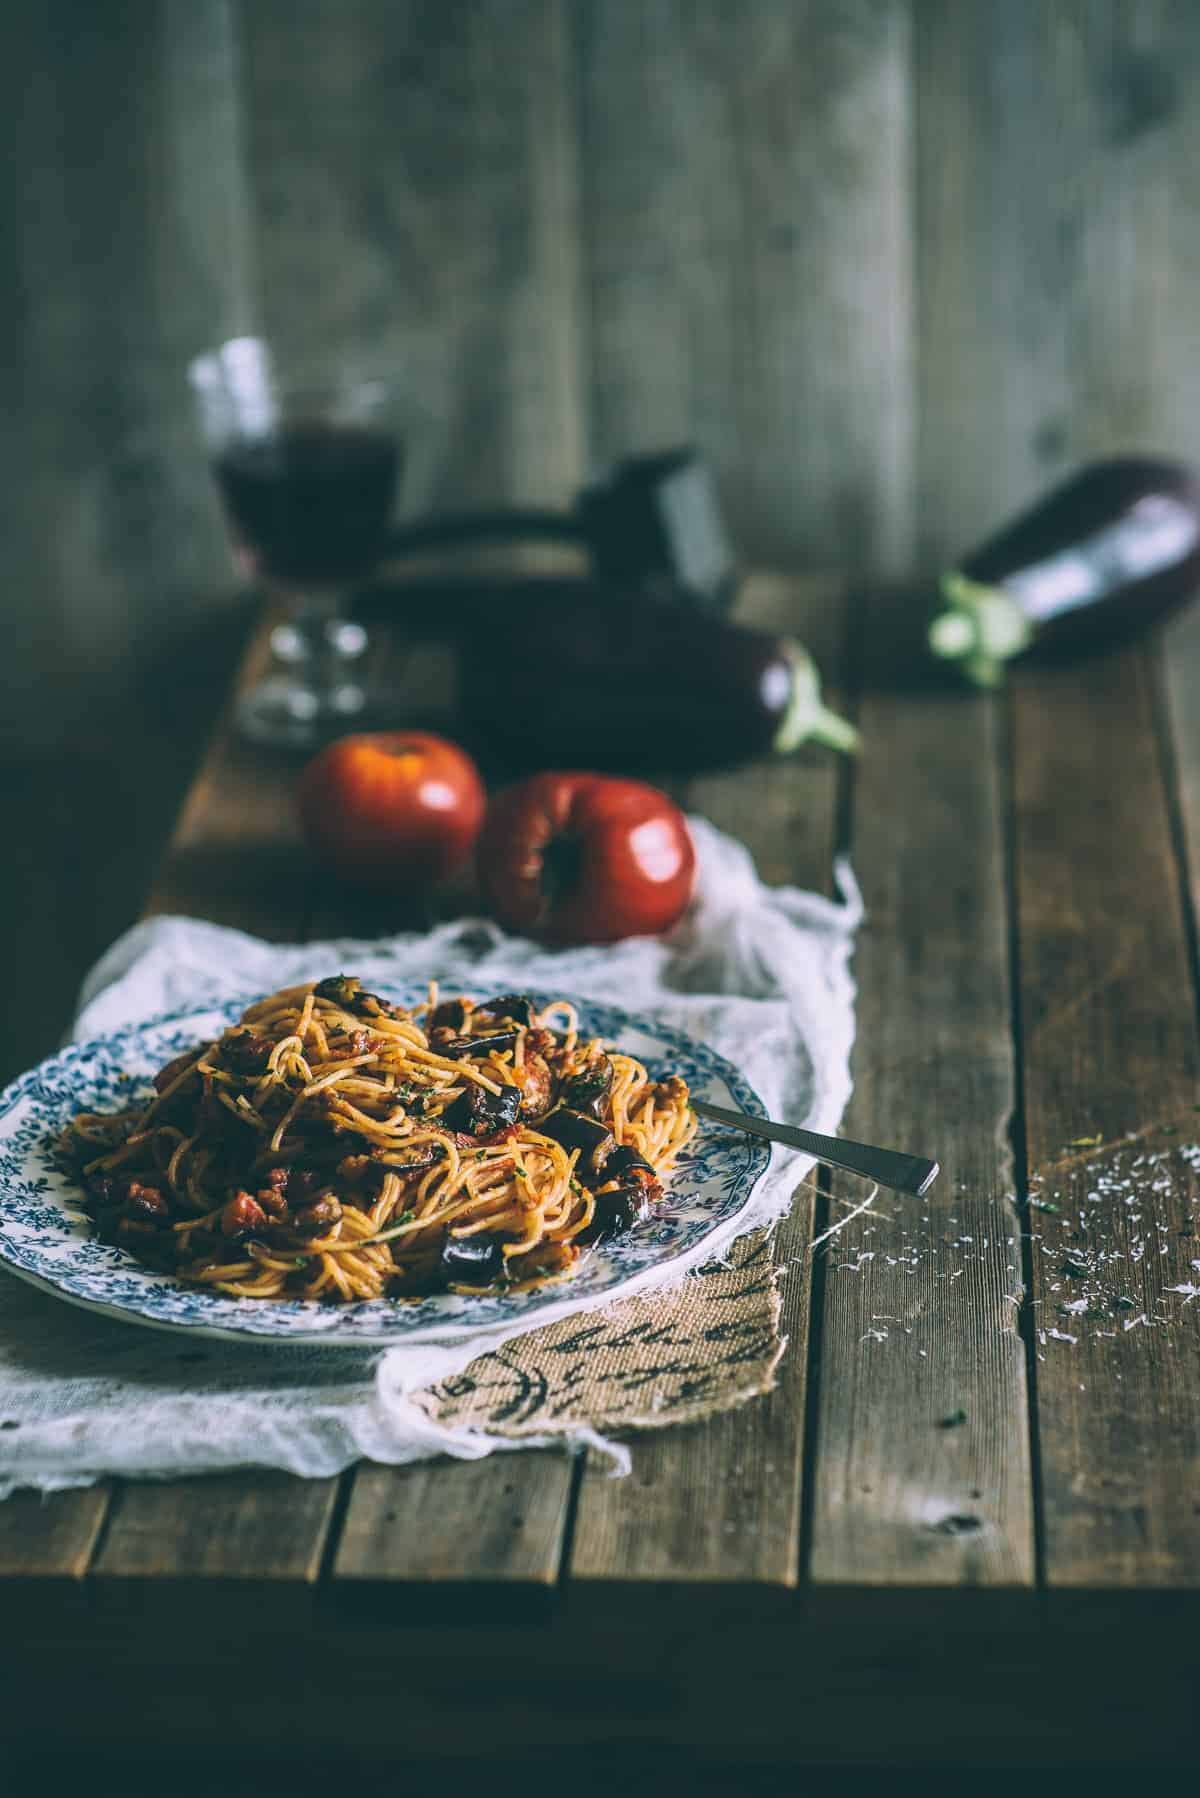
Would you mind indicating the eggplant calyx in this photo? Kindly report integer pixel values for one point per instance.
(982, 627)
(806, 719)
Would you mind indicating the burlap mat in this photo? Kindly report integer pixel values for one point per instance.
(708, 1344)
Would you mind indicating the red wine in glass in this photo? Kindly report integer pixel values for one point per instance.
(307, 464)
(311, 501)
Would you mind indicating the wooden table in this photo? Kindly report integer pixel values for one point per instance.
(944, 1536)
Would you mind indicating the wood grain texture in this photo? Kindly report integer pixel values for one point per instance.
(1180, 664)
(719, 1501)
(263, 1526)
(414, 202)
(110, 528)
(646, 1702)
(1109, 1043)
(744, 171)
(1056, 207)
(922, 1470)
(498, 1523)
(857, 248)
(236, 856)
(47, 1537)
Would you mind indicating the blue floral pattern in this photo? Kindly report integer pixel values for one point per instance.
(46, 1238)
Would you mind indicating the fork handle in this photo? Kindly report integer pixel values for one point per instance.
(893, 1168)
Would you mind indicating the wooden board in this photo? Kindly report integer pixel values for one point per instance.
(1056, 159)
(415, 213)
(111, 536)
(644, 1699)
(496, 1525)
(745, 206)
(50, 1536)
(263, 1526)
(719, 1501)
(922, 1461)
(854, 247)
(236, 856)
(1180, 664)
(1108, 1033)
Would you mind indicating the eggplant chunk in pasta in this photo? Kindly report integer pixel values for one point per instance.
(334, 1146)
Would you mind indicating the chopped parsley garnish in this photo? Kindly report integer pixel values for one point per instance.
(1045, 1205)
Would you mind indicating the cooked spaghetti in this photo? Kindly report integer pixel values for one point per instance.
(333, 1146)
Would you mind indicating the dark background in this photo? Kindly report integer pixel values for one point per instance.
(894, 265)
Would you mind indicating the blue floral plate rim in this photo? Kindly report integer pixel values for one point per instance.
(46, 1240)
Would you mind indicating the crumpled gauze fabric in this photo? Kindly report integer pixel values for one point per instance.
(761, 973)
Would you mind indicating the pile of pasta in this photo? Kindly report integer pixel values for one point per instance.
(334, 1146)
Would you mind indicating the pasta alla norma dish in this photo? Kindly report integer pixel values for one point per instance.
(333, 1146)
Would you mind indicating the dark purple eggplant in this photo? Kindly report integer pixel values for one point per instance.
(472, 1260)
(509, 1008)
(459, 1048)
(592, 1137)
(451, 1014)
(1101, 558)
(626, 1164)
(477, 1112)
(588, 1092)
(609, 677)
(617, 1209)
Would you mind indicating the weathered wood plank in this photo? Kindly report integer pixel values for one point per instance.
(266, 1526)
(50, 1537)
(496, 1523)
(1180, 674)
(111, 534)
(1056, 193)
(1109, 1038)
(735, 1706)
(720, 1500)
(423, 154)
(236, 856)
(746, 260)
(922, 1470)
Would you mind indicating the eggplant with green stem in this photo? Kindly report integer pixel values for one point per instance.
(609, 677)
(1100, 559)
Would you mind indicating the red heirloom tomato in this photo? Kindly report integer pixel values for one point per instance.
(397, 809)
(582, 858)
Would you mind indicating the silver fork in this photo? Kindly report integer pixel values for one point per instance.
(892, 1168)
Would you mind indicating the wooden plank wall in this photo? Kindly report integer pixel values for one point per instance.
(747, 261)
(894, 263)
(1058, 260)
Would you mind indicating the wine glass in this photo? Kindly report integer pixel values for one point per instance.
(307, 471)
